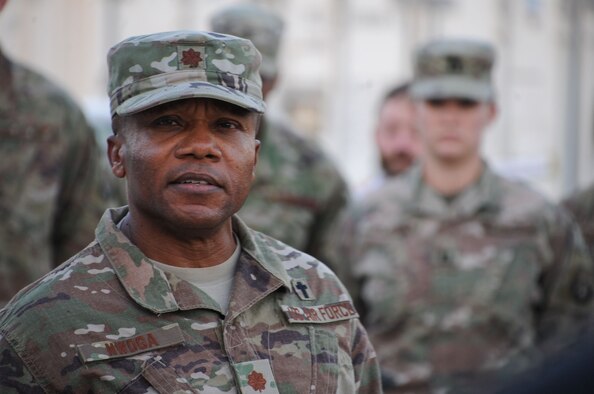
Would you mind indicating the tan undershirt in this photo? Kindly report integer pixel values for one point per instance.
(215, 281)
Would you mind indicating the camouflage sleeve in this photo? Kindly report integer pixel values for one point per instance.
(320, 234)
(15, 377)
(82, 200)
(365, 363)
(567, 284)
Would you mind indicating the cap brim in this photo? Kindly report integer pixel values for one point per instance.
(450, 87)
(187, 90)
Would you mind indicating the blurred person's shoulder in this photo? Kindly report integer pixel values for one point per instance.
(392, 201)
(522, 203)
(298, 265)
(54, 293)
(394, 189)
(45, 102)
(581, 203)
(298, 149)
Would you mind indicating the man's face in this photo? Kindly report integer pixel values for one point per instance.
(396, 136)
(451, 129)
(189, 164)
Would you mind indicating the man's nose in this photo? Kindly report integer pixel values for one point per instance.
(200, 142)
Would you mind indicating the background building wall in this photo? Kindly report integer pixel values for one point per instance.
(340, 56)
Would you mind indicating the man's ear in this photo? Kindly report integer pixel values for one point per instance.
(256, 156)
(115, 149)
(491, 113)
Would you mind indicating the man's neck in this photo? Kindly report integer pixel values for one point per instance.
(451, 178)
(196, 252)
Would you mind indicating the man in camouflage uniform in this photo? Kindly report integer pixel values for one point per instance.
(461, 275)
(298, 193)
(50, 177)
(176, 294)
(581, 205)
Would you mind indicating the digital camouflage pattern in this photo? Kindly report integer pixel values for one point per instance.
(298, 193)
(463, 292)
(109, 321)
(52, 190)
(256, 23)
(581, 205)
(146, 71)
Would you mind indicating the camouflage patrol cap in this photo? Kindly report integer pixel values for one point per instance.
(263, 27)
(150, 70)
(448, 68)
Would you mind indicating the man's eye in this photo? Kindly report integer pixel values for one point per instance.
(166, 121)
(228, 124)
(467, 103)
(436, 102)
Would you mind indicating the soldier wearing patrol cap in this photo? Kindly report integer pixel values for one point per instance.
(462, 276)
(176, 294)
(298, 192)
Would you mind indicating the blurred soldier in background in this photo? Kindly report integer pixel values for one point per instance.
(462, 276)
(396, 138)
(52, 190)
(581, 205)
(298, 192)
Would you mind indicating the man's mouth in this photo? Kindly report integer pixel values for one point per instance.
(196, 179)
(195, 182)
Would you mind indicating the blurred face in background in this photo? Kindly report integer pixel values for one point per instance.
(451, 129)
(396, 136)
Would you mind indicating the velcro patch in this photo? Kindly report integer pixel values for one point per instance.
(190, 56)
(255, 377)
(165, 336)
(320, 313)
(302, 289)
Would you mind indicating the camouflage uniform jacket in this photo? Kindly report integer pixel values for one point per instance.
(49, 171)
(448, 290)
(109, 321)
(581, 205)
(298, 193)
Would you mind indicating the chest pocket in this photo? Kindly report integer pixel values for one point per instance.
(309, 359)
(308, 348)
(490, 268)
(165, 360)
(412, 270)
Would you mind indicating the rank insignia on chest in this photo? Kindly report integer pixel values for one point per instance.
(302, 289)
(255, 377)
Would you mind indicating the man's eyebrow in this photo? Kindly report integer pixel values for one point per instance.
(231, 108)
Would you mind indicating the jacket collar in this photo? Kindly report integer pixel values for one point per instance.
(483, 197)
(259, 271)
